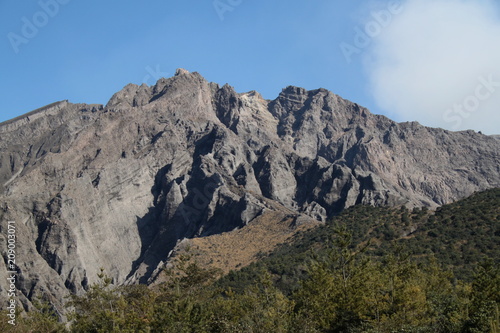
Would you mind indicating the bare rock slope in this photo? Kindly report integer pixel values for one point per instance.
(118, 186)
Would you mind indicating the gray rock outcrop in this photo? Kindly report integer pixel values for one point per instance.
(117, 186)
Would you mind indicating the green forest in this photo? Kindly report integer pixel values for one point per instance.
(369, 269)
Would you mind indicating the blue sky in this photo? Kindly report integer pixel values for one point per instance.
(85, 51)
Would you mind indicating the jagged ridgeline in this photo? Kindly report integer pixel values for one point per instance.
(117, 186)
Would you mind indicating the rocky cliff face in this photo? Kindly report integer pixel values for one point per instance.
(117, 186)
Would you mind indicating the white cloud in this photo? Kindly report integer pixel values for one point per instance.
(431, 63)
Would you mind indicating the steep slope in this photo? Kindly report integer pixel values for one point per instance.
(240, 247)
(459, 236)
(118, 186)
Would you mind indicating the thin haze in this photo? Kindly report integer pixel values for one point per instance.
(438, 62)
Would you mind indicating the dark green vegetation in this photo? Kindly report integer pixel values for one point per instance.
(459, 236)
(368, 270)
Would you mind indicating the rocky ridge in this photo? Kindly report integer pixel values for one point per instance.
(118, 186)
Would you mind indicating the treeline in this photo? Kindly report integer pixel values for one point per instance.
(459, 236)
(368, 270)
(344, 291)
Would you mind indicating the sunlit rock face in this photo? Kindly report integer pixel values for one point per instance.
(117, 186)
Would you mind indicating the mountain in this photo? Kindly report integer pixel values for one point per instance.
(369, 269)
(459, 236)
(119, 186)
